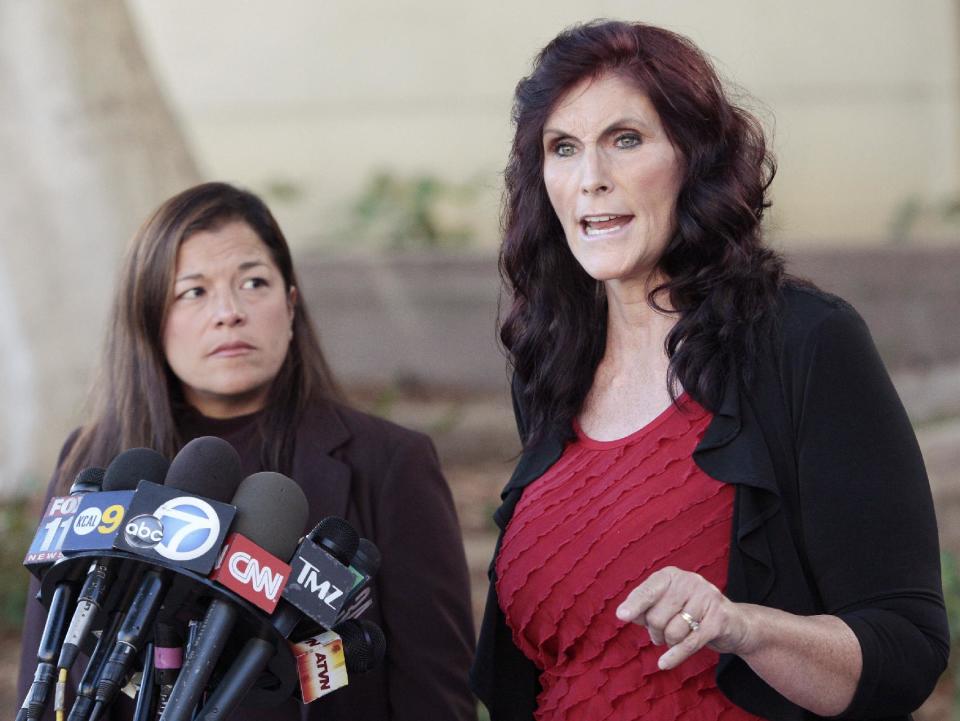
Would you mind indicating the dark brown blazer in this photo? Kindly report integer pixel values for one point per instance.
(386, 481)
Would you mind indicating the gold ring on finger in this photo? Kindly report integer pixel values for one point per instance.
(693, 623)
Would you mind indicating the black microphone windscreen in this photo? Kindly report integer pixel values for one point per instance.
(337, 537)
(363, 644)
(367, 558)
(132, 466)
(89, 480)
(271, 512)
(207, 466)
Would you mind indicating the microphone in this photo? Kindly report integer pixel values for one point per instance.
(99, 516)
(331, 544)
(167, 657)
(169, 632)
(367, 561)
(322, 575)
(184, 521)
(325, 661)
(87, 688)
(271, 513)
(323, 664)
(53, 632)
(364, 642)
(207, 466)
(56, 521)
(170, 523)
(104, 519)
(87, 481)
(94, 527)
(106, 511)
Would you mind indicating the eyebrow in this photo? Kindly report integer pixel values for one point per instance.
(246, 265)
(619, 124)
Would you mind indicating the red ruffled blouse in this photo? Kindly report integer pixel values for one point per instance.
(593, 527)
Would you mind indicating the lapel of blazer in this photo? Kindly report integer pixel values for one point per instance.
(324, 478)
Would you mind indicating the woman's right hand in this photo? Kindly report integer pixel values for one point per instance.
(686, 612)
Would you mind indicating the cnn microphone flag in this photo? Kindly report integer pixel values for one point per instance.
(251, 572)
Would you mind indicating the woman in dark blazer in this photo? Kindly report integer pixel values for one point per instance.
(721, 510)
(209, 337)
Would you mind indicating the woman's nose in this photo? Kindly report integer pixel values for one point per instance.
(229, 312)
(595, 178)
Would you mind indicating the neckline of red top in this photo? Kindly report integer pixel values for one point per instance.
(684, 403)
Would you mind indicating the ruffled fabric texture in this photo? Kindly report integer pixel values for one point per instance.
(593, 527)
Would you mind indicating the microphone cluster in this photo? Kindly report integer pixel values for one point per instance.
(192, 590)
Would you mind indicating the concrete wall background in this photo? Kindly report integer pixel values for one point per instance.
(429, 319)
(862, 97)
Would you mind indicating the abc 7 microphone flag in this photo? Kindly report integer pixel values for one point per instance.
(152, 550)
(166, 525)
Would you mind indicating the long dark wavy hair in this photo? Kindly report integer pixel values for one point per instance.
(721, 280)
(134, 397)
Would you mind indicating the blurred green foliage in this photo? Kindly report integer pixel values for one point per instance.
(413, 212)
(283, 191)
(17, 524)
(951, 594)
(915, 217)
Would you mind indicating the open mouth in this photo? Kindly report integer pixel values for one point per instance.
(598, 225)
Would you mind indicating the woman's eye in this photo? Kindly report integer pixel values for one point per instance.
(564, 149)
(252, 283)
(190, 294)
(628, 140)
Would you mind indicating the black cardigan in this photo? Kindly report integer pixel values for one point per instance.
(833, 514)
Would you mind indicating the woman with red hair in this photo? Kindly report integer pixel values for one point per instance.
(721, 511)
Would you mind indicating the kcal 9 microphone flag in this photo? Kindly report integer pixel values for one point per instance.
(98, 521)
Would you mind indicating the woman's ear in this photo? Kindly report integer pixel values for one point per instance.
(291, 306)
(292, 298)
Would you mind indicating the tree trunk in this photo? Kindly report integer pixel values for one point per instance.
(88, 146)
